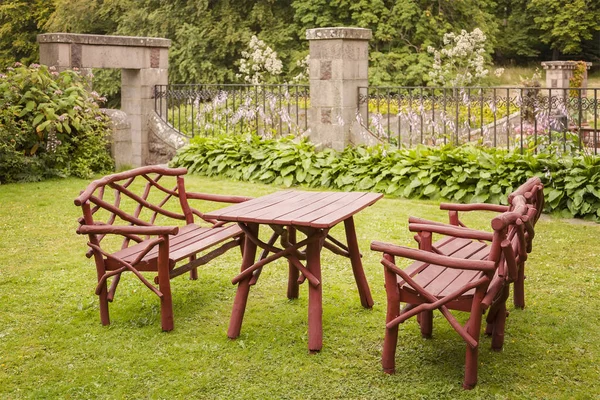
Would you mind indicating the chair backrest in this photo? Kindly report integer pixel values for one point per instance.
(533, 191)
(131, 203)
(512, 229)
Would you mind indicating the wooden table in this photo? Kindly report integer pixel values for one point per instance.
(313, 214)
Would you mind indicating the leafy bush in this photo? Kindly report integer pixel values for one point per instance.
(50, 125)
(464, 174)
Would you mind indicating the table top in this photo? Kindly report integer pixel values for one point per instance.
(300, 208)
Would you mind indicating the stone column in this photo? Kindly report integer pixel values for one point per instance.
(144, 63)
(339, 60)
(558, 74)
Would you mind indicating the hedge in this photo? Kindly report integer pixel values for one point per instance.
(465, 174)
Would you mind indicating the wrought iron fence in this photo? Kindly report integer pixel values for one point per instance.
(208, 109)
(521, 117)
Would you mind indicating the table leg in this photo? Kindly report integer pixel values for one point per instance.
(315, 295)
(292, 289)
(359, 274)
(241, 296)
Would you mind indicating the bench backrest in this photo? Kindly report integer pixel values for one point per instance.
(102, 201)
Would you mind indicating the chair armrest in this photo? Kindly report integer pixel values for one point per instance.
(474, 207)
(127, 230)
(217, 197)
(433, 258)
(451, 230)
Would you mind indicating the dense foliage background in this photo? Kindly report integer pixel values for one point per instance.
(209, 35)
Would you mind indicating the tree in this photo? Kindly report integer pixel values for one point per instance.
(565, 24)
(20, 23)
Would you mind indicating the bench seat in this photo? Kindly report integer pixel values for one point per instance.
(190, 240)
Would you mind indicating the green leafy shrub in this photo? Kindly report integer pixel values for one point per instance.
(50, 125)
(464, 174)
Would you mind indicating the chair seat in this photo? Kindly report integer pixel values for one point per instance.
(441, 281)
(191, 240)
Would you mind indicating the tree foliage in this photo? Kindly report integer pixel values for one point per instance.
(209, 35)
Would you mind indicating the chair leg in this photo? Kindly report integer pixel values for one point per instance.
(164, 285)
(426, 323)
(390, 341)
(474, 329)
(499, 325)
(388, 356)
(519, 289)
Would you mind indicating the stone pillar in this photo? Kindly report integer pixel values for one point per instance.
(144, 63)
(339, 60)
(558, 74)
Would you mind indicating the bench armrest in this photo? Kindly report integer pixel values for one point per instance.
(217, 197)
(474, 207)
(127, 230)
(433, 258)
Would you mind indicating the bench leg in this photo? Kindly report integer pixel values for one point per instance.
(519, 288)
(474, 329)
(241, 295)
(104, 315)
(164, 285)
(194, 271)
(357, 268)
(425, 319)
(390, 341)
(293, 273)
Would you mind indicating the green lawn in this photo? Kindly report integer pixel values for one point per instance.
(52, 344)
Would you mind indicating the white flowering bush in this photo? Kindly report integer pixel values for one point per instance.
(260, 63)
(461, 62)
(303, 65)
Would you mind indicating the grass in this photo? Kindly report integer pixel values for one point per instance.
(52, 344)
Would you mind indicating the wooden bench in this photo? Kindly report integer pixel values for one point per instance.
(533, 192)
(132, 212)
(465, 273)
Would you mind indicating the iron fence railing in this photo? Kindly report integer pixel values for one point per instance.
(207, 109)
(521, 117)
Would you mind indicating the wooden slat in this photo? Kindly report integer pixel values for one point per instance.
(467, 276)
(216, 237)
(447, 278)
(131, 252)
(341, 214)
(231, 213)
(430, 272)
(418, 266)
(313, 202)
(340, 209)
(274, 211)
(191, 240)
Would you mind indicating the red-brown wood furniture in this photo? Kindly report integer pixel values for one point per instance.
(461, 272)
(533, 192)
(132, 212)
(286, 212)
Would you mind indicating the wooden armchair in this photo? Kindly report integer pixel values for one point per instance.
(463, 273)
(533, 192)
(132, 213)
